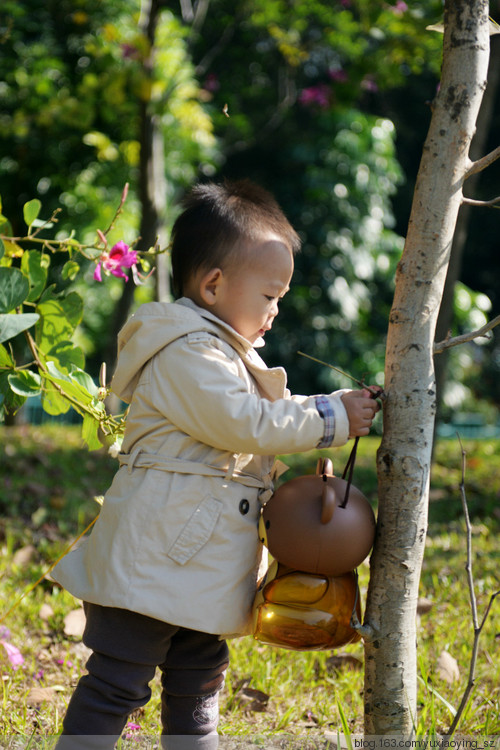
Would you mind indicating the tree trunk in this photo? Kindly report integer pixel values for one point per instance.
(152, 182)
(404, 456)
(152, 189)
(445, 319)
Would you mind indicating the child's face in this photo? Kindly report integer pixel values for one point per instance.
(248, 294)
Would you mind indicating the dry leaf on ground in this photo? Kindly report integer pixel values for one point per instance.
(24, 556)
(447, 667)
(39, 695)
(74, 623)
(342, 661)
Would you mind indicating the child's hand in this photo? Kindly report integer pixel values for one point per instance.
(361, 408)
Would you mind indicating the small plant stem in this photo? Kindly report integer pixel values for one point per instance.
(473, 602)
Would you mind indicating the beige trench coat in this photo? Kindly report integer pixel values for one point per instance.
(177, 535)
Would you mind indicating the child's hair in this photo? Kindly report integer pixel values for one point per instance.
(215, 219)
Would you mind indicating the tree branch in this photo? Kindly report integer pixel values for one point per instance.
(470, 579)
(485, 161)
(472, 202)
(465, 337)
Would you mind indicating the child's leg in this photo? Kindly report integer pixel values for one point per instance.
(192, 675)
(127, 647)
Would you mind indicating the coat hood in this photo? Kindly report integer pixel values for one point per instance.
(154, 326)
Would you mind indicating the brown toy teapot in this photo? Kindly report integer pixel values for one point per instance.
(318, 524)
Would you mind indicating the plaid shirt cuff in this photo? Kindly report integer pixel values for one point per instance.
(325, 410)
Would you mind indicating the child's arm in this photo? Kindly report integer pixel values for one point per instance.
(198, 387)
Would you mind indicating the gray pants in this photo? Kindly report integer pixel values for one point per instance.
(127, 647)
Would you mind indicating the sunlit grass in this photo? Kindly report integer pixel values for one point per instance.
(307, 694)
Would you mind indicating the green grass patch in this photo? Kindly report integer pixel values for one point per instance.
(48, 483)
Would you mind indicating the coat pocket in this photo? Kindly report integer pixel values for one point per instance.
(197, 531)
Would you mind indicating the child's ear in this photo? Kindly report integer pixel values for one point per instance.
(209, 285)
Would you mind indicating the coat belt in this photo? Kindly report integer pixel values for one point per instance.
(142, 460)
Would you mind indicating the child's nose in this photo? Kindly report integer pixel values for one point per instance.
(274, 309)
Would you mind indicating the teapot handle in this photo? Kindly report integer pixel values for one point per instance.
(324, 469)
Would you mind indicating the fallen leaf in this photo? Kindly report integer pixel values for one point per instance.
(24, 556)
(74, 623)
(340, 661)
(424, 605)
(45, 612)
(251, 699)
(447, 667)
(39, 695)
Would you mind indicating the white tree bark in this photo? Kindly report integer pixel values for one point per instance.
(404, 456)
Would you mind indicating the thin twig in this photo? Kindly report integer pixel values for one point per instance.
(488, 204)
(470, 579)
(465, 337)
(485, 161)
(376, 393)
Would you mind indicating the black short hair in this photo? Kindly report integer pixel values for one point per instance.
(216, 217)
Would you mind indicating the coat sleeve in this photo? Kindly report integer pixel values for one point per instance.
(197, 384)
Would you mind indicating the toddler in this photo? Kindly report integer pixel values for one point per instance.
(171, 566)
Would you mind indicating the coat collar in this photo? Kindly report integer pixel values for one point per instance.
(271, 381)
(241, 341)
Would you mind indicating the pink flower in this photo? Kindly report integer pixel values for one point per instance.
(369, 84)
(319, 95)
(131, 729)
(211, 83)
(399, 8)
(114, 261)
(339, 75)
(13, 654)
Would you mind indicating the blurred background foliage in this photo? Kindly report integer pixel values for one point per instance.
(326, 104)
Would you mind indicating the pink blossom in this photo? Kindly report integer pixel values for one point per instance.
(211, 83)
(130, 52)
(119, 257)
(339, 76)
(399, 8)
(369, 84)
(131, 728)
(319, 94)
(13, 654)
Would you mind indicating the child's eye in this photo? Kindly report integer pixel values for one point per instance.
(269, 299)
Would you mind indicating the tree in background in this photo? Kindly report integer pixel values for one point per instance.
(78, 84)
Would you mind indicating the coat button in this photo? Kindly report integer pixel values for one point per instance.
(244, 507)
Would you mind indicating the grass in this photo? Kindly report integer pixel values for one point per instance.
(49, 482)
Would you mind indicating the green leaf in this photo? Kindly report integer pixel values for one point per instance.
(2, 249)
(35, 268)
(73, 384)
(59, 318)
(5, 358)
(14, 288)
(31, 209)
(11, 325)
(84, 379)
(90, 429)
(53, 402)
(70, 270)
(10, 401)
(67, 355)
(25, 383)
